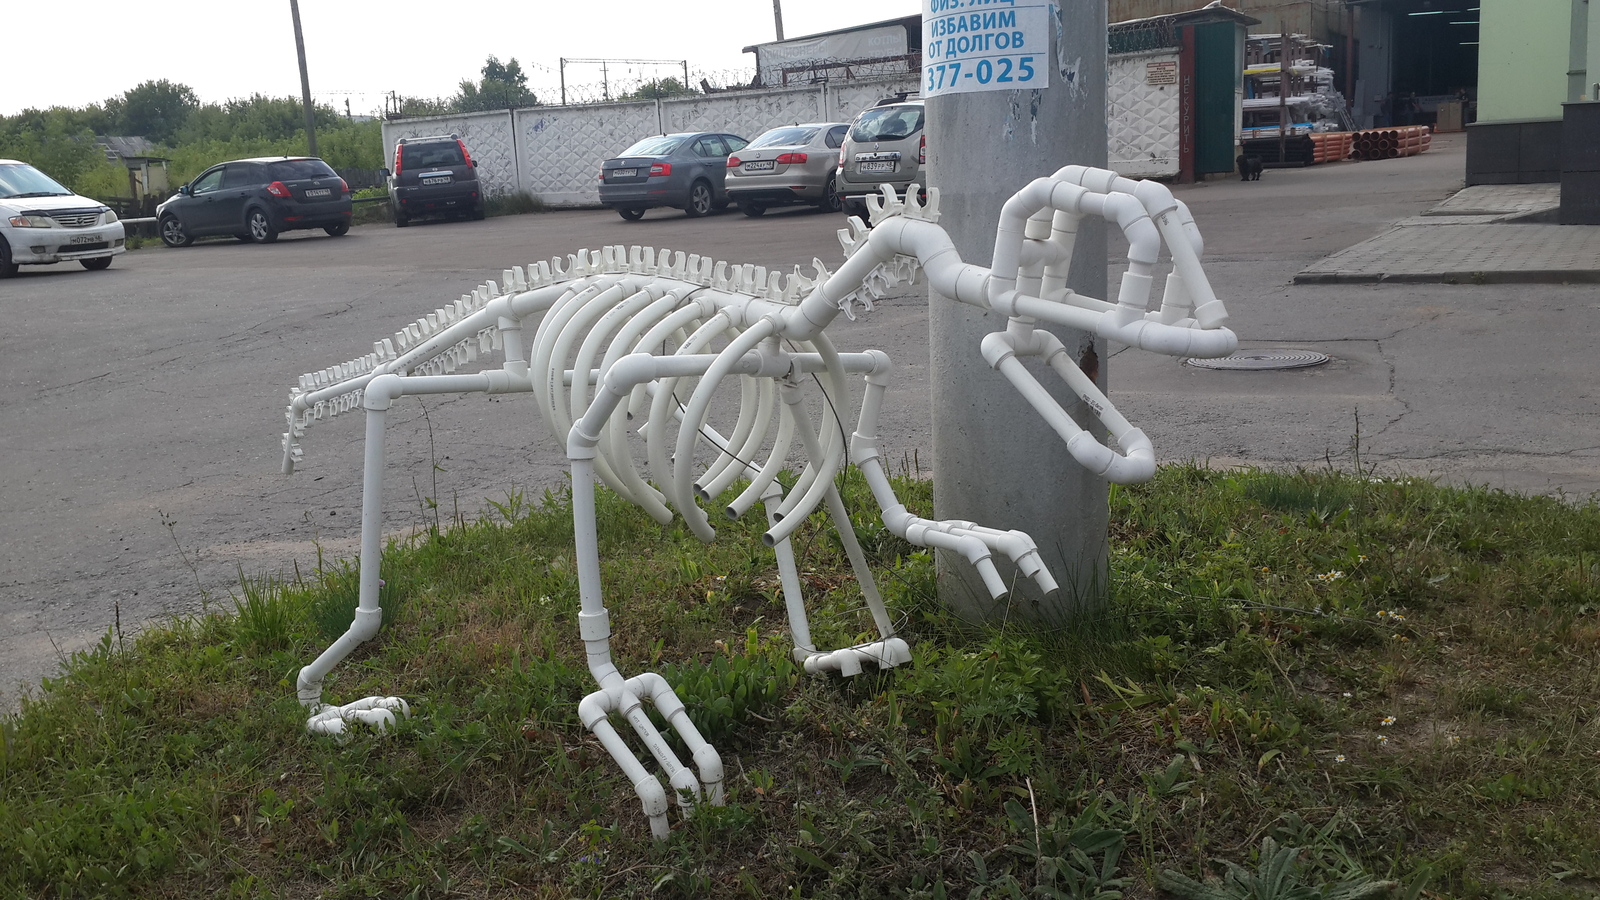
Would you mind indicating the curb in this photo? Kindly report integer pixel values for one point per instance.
(1525, 276)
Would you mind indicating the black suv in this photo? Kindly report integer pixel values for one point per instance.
(433, 176)
(255, 199)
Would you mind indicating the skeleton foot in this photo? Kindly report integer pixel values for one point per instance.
(847, 660)
(377, 712)
(691, 788)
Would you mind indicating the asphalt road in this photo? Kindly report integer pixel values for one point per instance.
(141, 434)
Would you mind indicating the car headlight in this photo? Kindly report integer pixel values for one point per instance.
(109, 217)
(32, 222)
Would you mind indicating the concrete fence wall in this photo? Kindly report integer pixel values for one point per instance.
(554, 152)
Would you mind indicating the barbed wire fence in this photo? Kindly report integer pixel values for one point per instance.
(625, 81)
(1146, 34)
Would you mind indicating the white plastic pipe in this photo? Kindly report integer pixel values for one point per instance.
(1000, 351)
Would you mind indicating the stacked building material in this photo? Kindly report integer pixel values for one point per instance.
(1389, 143)
(1332, 146)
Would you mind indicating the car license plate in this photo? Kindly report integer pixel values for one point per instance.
(319, 192)
(876, 165)
(759, 165)
(624, 173)
(437, 179)
(84, 239)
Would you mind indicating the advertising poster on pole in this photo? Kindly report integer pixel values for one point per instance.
(984, 45)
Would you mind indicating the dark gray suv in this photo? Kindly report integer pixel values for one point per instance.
(433, 176)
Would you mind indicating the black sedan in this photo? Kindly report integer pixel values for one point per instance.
(255, 199)
(684, 171)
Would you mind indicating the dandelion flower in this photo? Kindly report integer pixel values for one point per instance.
(1387, 721)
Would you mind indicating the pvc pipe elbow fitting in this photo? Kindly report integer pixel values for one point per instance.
(996, 347)
(593, 709)
(381, 392)
(1154, 196)
(365, 625)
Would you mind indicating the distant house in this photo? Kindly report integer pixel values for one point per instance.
(147, 172)
(890, 47)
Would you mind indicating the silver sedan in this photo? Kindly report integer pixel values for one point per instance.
(787, 164)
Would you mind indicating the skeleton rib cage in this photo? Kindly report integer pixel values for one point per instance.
(624, 340)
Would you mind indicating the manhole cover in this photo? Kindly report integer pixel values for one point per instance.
(1252, 360)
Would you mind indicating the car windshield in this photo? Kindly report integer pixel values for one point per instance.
(660, 145)
(22, 180)
(297, 169)
(793, 136)
(417, 156)
(887, 123)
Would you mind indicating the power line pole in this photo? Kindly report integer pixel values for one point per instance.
(989, 136)
(777, 16)
(305, 80)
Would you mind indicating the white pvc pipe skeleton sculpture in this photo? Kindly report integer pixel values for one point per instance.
(589, 342)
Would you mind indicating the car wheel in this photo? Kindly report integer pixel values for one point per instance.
(339, 230)
(753, 210)
(97, 263)
(830, 197)
(700, 201)
(173, 234)
(478, 215)
(631, 213)
(261, 230)
(7, 267)
(401, 220)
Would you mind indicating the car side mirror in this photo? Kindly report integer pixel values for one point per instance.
(386, 173)
(183, 189)
(474, 164)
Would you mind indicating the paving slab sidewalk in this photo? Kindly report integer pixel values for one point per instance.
(1478, 236)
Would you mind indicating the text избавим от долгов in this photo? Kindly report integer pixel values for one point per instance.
(993, 49)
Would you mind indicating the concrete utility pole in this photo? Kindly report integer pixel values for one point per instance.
(777, 16)
(305, 80)
(982, 148)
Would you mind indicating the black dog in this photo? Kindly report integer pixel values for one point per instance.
(1249, 168)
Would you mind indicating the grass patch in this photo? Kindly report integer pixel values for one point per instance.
(1305, 685)
(512, 203)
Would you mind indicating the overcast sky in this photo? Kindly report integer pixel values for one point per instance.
(88, 50)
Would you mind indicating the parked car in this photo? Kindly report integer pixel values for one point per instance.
(885, 145)
(685, 171)
(42, 223)
(433, 176)
(788, 164)
(255, 200)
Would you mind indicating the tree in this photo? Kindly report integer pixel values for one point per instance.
(659, 89)
(154, 109)
(502, 87)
